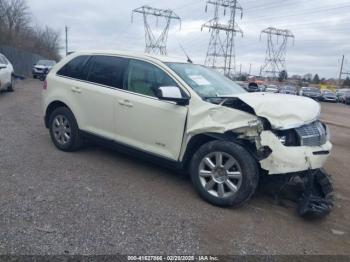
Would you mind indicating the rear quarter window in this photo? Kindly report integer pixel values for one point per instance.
(107, 70)
(75, 68)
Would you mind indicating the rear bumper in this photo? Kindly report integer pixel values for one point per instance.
(285, 160)
(37, 73)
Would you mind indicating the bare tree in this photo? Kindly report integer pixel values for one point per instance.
(48, 42)
(16, 30)
(15, 17)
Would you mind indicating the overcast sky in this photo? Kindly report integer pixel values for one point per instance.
(321, 29)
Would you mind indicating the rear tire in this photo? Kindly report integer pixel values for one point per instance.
(224, 173)
(64, 130)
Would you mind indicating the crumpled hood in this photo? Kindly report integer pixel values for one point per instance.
(282, 111)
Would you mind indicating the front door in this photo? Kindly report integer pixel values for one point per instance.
(144, 121)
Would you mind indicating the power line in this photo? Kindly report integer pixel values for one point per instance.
(313, 11)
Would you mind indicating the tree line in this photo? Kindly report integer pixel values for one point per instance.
(17, 30)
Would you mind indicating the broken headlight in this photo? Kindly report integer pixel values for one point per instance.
(288, 137)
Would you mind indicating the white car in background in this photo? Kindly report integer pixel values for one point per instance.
(272, 89)
(6, 74)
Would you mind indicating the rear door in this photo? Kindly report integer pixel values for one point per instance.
(89, 84)
(98, 93)
(144, 121)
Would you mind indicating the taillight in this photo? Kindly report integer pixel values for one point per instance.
(45, 85)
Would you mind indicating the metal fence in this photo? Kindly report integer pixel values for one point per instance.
(22, 61)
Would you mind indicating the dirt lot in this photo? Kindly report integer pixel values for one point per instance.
(97, 201)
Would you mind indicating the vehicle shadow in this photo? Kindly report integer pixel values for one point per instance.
(271, 196)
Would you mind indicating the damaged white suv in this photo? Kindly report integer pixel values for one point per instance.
(185, 116)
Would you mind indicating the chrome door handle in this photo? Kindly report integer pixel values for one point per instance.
(76, 90)
(125, 103)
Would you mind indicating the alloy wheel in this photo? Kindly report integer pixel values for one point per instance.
(220, 174)
(61, 130)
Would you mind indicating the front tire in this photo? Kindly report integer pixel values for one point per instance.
(224, 173)
(11, 87)
(64, 130)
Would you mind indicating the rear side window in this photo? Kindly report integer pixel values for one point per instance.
(76, 68)
(107, 70)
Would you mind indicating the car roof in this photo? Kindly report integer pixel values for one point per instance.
(161, 58)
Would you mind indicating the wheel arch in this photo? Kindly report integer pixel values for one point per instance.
(51, 107)
(200, 139)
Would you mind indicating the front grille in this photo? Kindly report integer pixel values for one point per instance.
(312, 135)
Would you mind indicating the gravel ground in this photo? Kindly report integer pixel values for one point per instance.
(98, 201)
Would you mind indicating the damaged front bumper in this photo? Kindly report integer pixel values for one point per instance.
(310, 190)
(283, 159)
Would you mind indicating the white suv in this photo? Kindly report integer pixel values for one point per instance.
(185, 116)
(7, 80)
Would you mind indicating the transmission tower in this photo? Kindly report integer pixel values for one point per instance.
(275, 61)
(221, 49)
(342, 72)
(156, 45)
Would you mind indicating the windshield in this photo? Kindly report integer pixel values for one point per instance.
(206, 82)
(46, 62)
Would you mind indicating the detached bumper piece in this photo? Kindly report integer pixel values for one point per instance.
(309, 191)
(316, 201)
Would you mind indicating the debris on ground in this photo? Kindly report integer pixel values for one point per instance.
(310, 191)
(337, 232)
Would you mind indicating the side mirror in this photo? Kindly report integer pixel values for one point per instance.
(172, 93)
(2, 66)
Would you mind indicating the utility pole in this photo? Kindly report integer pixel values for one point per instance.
(156, 45)
(250, 69)
(341, 70)
(221, 53)
(275, 61)
(66, 29)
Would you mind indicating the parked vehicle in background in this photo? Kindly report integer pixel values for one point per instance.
(312, 92)
(42, 76)
(272, 89)
(262, 88)
(290, 90)
(341, 94)
(328, 96)
(252, 87)
(185, 116)
(345, 97)
(42, 67)
(7, 78)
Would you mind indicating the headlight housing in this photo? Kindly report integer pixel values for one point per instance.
(288, 137)
(314, 134)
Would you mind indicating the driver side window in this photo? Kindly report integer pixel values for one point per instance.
(145, 78)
